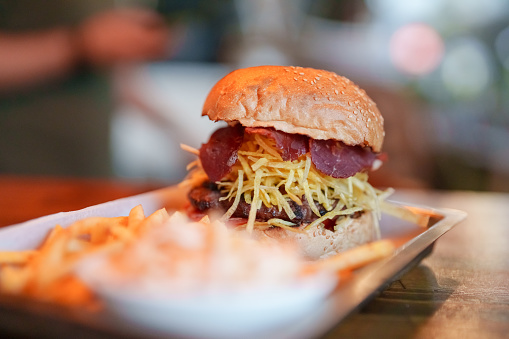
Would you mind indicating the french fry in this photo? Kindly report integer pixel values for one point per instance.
(77, 245)
(405, 213)
(354, 258)
(136, 216)
(16, 257)
(57, 229)
(122, 233)
(99, 234)
(14, 279)
(157, 218)
(50, 263)
(46, 273)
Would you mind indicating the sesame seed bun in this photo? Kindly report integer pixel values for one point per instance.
(316, 103)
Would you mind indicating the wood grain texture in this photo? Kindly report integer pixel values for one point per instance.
(460, 291)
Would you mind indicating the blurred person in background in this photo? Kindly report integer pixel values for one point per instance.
(55, 96)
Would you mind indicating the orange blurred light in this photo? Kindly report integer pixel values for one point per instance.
(416, 49)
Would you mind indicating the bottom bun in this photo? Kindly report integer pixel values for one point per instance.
(319, 243)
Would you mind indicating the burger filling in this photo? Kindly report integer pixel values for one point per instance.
(207, 197)
(282, 179)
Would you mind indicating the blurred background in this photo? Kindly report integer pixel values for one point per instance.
(437, 69)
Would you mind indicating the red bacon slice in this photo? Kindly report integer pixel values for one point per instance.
(292, 146)
(338, 160)
(330, 157)
(220, 153)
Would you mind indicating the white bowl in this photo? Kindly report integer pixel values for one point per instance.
(223, 314)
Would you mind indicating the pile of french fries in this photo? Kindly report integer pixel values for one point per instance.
(47, 273)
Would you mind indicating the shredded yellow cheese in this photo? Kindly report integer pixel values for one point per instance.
(240, 183)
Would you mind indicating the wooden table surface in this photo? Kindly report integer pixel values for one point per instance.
(460, 291)
(24, 198)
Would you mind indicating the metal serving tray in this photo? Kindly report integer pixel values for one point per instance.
(22, 317)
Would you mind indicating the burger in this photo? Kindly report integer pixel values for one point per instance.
(292, 162)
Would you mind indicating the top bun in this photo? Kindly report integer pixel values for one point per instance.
(316, 103)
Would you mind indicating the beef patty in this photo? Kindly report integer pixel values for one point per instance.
(205, 198)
